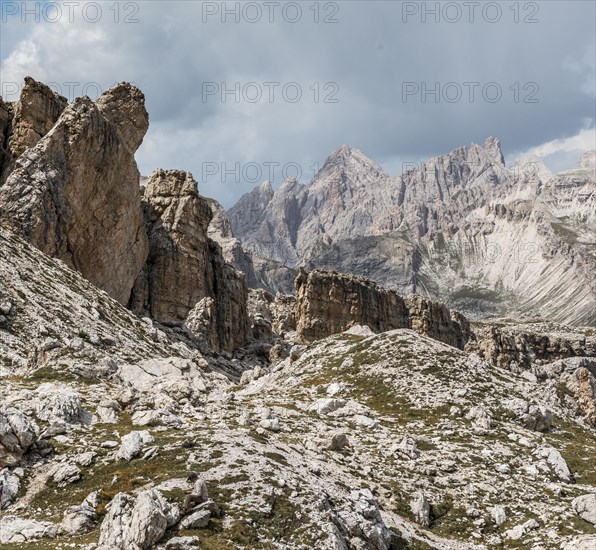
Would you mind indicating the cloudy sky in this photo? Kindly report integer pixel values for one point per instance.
(239, 91)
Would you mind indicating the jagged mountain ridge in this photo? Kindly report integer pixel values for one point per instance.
(489, 239)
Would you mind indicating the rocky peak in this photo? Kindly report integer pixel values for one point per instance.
(124, 106)
(347, 165)
(76, 195)
(220, 227)
(32, 117)
(492, 146)
(587, 161)
(530, 167)
(265, 189)
(171, 184)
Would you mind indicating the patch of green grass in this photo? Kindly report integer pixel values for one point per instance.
(449, 520)
(576, 526)
(425, 445)
(577, 446)
(564, 232)
(57, 374)
(110, 479)
(281, 522)
(276, 457)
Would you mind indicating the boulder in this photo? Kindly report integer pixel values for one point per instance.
(136, 523)
(420, 509)
(407, 448)
(11, 484)
(175, 377)
(182, 543)
(14, 530)
(338, 442)
(60, 404)
(78, 520)
(363, 522)
(107, 410)
(327, 405)
(196, 520)
(480, 417)
(556, 461)
(133, 443)
(86, 458)
(17, 435)
(533, 417)
(539, 418)
(585, 506)
(150, 417)
(64, 474)
(499, 515)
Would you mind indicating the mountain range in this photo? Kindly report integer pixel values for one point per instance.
(488, 239)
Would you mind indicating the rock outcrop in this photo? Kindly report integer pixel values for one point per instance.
(75, 195)
(176, 219)
(267, 274)
(220, 231)
(516, 347)
(328, 303)
(437, 321)
(15, 530)
(206, 287)
(581, 383)
(27, 121)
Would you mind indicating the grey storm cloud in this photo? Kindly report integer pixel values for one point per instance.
(351, 73)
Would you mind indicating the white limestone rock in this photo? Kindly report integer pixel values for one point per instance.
(132, 444)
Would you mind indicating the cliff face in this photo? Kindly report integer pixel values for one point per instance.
(220, 231)
(176, 222)
(185, 270)
(437, 321)
(329, 303)
(267, 274)
(6, 115)
(75, 194)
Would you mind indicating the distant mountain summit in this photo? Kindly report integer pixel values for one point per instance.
(463, 227)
